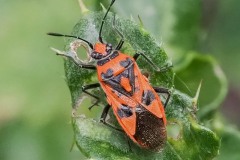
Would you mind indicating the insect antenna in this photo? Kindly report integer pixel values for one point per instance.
(64, 35)
(103, 20)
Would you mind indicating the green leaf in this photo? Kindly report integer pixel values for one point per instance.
(100, 142)
(178, 23)
(201, 67)
(230, 138)
(230, 143)
(186, 28)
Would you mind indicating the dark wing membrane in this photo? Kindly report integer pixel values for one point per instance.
(150, 130)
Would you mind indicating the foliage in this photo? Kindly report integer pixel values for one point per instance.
(193, 141)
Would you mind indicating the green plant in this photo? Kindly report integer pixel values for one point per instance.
(192, 140)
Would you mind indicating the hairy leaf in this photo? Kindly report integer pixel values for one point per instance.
(196, 68)
(192, 140)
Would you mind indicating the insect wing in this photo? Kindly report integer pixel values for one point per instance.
(124, 110)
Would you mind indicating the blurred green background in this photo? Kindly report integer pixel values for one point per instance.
(35, 104)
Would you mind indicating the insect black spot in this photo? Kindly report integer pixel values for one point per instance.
(124, 111)
(125, 73)
(96, 55)
(114, 54)
(125, 63)
(147, 97)
(117, 78)
(102, 62)
(108, 74)
(108, 48)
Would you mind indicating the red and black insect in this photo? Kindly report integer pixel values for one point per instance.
(135, 103)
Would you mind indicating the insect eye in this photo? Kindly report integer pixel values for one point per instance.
(96, 55)
(93, 54)
(109, 47)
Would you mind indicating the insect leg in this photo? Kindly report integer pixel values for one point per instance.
(155, 67)
(91, 86)
(119, 46)
(104, 116)
(165, 91)
(136, 56)
(73, 56)
(103, 120)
